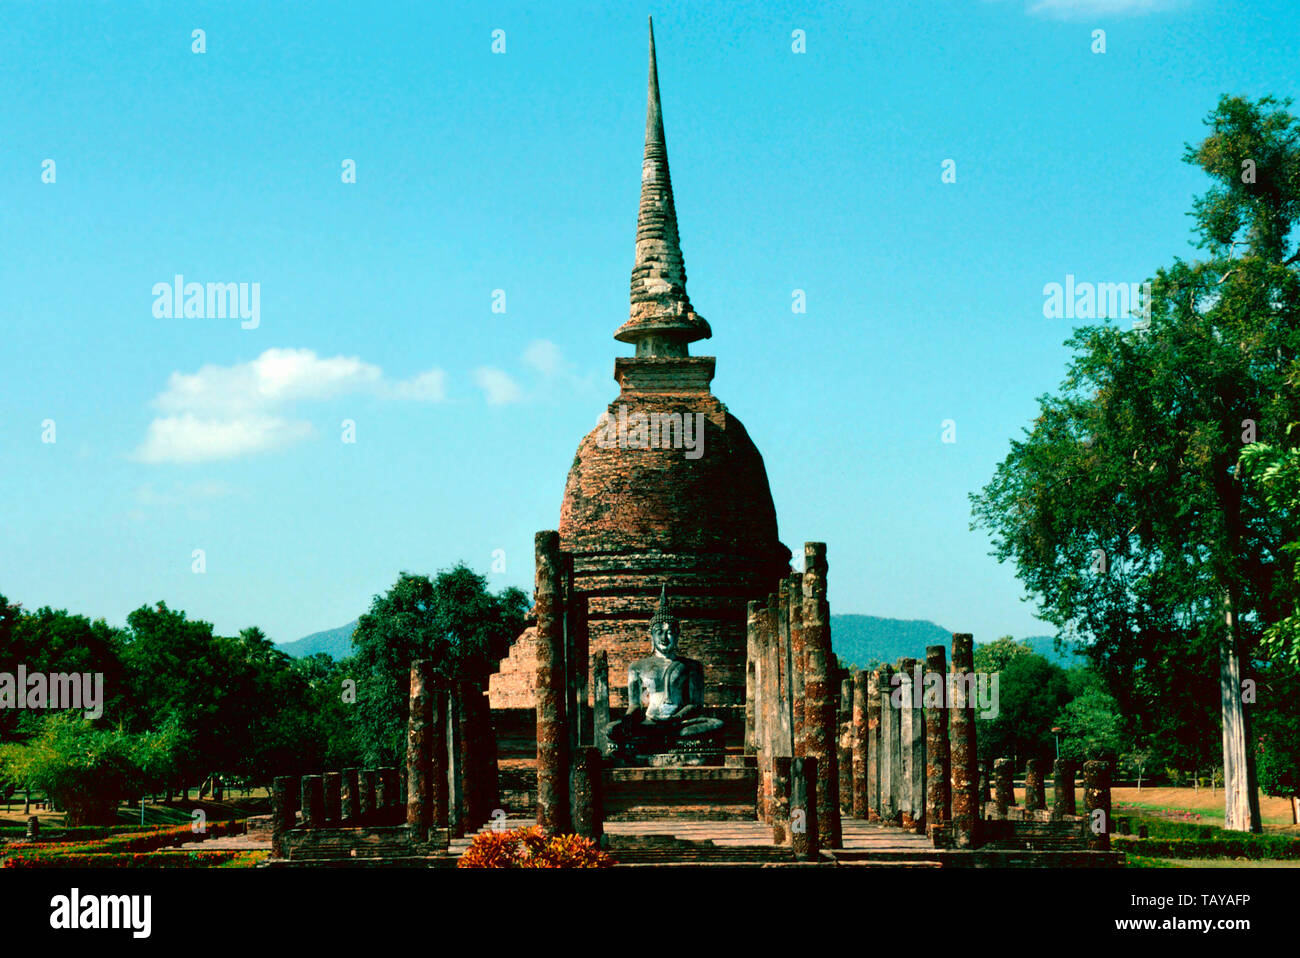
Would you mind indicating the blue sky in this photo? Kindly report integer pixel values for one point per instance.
(519, 171)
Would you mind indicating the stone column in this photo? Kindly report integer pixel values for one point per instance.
(804, 833)
(333, 788)
(751, 684)
(455, 757)
(282, 817)
(781, 765)
(889, 756)
(550, 688)
(779, 609)
(1004, 785)
(1096, 804)
(388, 800)
(820, 713)
(419, 750)
(1063, 789)
(873, 746)
(770, 700)
(584, 786)
(369, 780)
(438, 761)
(754, 631)
(1035, 798)
(351, 796)
(844, 757)
(313, 801)
(911, 733)
(798, 667)
(860, 789)
(33, 828)
(600, 721)
(961, 738)
(938, 808)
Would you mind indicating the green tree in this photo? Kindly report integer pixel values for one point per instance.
(1122, 507)
(1031, 690)
(88, 768)
(452, 619)
(994, 656)
(1090, 725)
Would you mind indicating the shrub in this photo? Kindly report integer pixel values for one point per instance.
(170, 859)
(529, 848)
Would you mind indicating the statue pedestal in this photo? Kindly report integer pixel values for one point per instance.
(667, 751)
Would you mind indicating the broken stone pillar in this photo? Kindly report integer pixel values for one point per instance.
(600, 722)
(550, 689)
(1096, 804)
(351, 796)
(938, 807)
(986, 789)
(961, 739)
(1004, 785)
(820, 711)
(419, 750)
(333, 788)
(1063, 789)
(1035, 797)
(845, 742)
(584, 787)
(798, 667)
(369, 780)
(859, 762)
(889, 756)
(313, 801)
(282, 815)
(781, 766)
(780, 717)
(804, 833)
(873, 746)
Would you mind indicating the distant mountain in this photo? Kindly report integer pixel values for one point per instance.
(859, 639)
(336, 643)
(864, 639)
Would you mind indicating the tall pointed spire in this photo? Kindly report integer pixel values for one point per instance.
(662, 321)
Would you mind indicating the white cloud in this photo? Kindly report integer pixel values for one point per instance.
(1076, 9)
(223, 412)
(428, 386)
(544, 356)
(497, 386)
(187, 438)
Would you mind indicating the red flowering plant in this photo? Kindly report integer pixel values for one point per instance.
(529, 848)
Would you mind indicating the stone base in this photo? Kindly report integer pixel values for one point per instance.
(681, 758)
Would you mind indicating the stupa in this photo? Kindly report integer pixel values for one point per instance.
(668, 488)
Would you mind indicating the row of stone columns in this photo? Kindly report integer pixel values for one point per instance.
(912, 750)
(796, 708)
(353, 797)
(569, 772)
(1096, 794)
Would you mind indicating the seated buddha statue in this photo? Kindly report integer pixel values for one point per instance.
(665, 695)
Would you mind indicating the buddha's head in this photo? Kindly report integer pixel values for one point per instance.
(664, 628)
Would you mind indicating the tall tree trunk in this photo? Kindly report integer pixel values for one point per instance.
(1240, 795)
